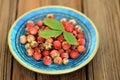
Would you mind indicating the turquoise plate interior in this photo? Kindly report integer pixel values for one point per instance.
(18, 50)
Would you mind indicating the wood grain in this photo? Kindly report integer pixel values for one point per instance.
(106, 16)
(7, 16)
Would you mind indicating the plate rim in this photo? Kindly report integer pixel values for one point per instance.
(63, 71)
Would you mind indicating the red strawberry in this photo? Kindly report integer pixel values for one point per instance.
(40, 39)
(64, 21)
(60, 38)
(36, 49)
(27, 46)
(74, 54)
(57, 44)
(30, 24)
(81, 42)
(74, 47)
(47, 60)
(69, 27)
(65, 45)
(30, 52)
(81, 49)
(64, 55)
(50, 40)
(23, 39)
(51, 16)
(34, 44)
(80, 36)
(58, 60)
(30, 38)
(54, 53)
(68, 51)
(61, 51)
(72, 22)
(65, 61)
(74, 33)
(46, 53)
(33, 31)
(37, 27)
(37, 55)
(39, 23)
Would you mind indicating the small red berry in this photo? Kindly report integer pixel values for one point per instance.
(30, 38)
(68, 51)
(57, 44)
(37, 28)
(81, 42)
(23, 39)
(30, 52)
(74, 54)
(78, 29)
(72, 21)
(28, 29)
(74, 33)
(33, 31)
(69, 27)
(80, 36)
(81, 49)
(34, 44)
(65, 61)
(47, 28)
(36, 49)
(30, 24)
(74, 47)
(37, 56)
(65, 45)
(51, 16)
(64, 21)
(39, 23)
(61, 51)
(27, 46)
(46, 53)
(60, 38)
(50, 40)
(47, 60)
(58, 60)
(40, 39)
(54, 53)
(64, 55)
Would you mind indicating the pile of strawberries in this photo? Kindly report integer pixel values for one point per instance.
(55, 49)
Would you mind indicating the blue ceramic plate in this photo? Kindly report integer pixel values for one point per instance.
(18, 50)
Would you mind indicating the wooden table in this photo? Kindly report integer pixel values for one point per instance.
(104, 13)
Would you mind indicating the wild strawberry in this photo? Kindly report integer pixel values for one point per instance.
(74, 47)
(64, 21)
(68, 51)
(23, 39)
(72, 21)
(30, 24)
(46, 53)
(27, 46)
(54, 53)
(74, 54)
(80, 36)
(40, 39)
(33, 31)
(47, 45)
(47, 60)
(37, 56)
(61, 51)
(47, 28)
(81, 49)
(37, 27)
(39, 23)
(41, 46)
(77, 29)
(81, 42)
(51, 16)
(50, 40)
(69, 27)
(30, 38)
(28, 29)
(36, 49)
(30, 52)
(64, 55)
(58, 60)
(65, 61)
(74, 33)
(57, 44)
(60, 38)
(65, 45)
(34, 44)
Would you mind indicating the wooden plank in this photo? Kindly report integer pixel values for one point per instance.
(7, 16)
(19, 72)
(106, 15)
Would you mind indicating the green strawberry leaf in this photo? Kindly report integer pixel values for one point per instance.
(49, 33)
(54, 24)
(70, 38)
